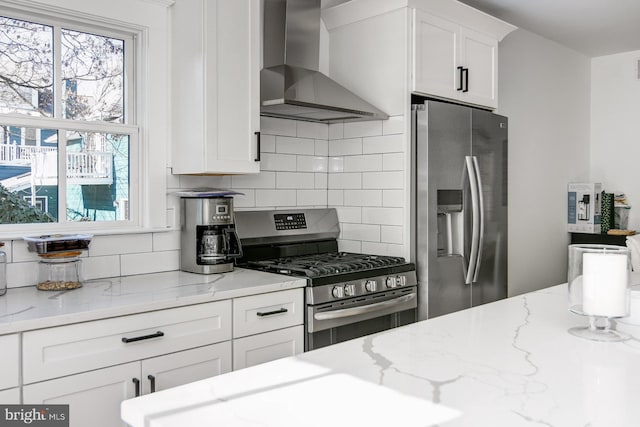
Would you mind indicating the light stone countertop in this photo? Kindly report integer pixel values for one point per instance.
(27, 308)
(511, 363)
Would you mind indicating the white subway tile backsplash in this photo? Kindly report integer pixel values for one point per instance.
(290, 145)
(383, 180)
(345, 147)
(383, 216)
(20, 251)
(367, 163)
(312, 130)
(173, 181)
(267, 143)
(260, 180)
(322, 181)
(312, 163)
(363, 197)
(276, 198)
(335, 197)
(350, 246)
(22, 274)
(278, 162)
(121, 244)
(394, 125)
(363, 232)
(356, 129)
(321, 147)
(98, 267)
(166, 241)
(312, 198)
(336, 131)
(393, 198)
(352, 214)
(388, 249)
(189, 181)
(149, 262)
(345, 180)
(383, 144)
(245, 200)
(274, 126)
(336, 164)
(392, 234)
(295, 180)
(393, 162)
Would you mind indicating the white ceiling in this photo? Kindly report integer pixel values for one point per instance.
(592, 27)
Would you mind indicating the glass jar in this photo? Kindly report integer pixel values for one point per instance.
(56, 274)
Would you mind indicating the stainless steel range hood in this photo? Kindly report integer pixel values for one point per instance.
(290, 84)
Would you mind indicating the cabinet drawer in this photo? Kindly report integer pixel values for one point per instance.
(64, 350)
(262, 348)
(267, 312)
(10, 366)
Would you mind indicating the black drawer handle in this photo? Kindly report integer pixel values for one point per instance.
(137, 385)
(152, 380)
(143, 337)
(460, 72)
(257, 134)
(271, 313)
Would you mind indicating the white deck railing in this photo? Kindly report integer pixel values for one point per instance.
(21, 155)
(82, 168)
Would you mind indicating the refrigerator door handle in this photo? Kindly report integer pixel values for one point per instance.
(480, 218)
(475, 220)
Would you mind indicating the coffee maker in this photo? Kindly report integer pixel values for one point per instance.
(208, 239)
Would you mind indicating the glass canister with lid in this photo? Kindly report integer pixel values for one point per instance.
(60, 271)
(60, 267)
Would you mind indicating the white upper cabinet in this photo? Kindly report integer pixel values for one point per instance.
(215, 86)
(454, 62)
(455, 52)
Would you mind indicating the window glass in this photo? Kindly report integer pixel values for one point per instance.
(62, 170)
(26, 67)
(92, 77)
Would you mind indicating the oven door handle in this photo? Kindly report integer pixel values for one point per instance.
(348, 312)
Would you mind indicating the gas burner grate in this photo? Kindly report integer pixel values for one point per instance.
(326, 264)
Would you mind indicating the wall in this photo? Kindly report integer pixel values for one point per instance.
(615, 127)
(544, 90)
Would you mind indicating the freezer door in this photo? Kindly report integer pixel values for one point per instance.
(443, 140)
(489, 147)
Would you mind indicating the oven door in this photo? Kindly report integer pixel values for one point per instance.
(334, 322)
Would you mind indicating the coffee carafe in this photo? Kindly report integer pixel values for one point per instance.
(208, 238)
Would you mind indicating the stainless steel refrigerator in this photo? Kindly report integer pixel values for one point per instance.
(460, 206)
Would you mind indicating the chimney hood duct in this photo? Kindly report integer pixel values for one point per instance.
(290, 84)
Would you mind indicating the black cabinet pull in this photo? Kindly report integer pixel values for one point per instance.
(143, 337)
(137, 383)
(460, 86)
(257, 159)
(271, 313)
(152, 380)
(466, 79)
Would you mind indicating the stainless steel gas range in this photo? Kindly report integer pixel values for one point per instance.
(348, 294)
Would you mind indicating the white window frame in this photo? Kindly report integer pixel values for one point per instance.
(142, 20)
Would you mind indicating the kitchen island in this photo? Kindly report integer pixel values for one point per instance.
(505, 364)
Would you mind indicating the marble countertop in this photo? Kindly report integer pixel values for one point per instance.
(506, 364)
(28, 308)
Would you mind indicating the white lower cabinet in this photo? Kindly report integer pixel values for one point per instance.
(261, 348)
(94, 397)
(171, 370)
(10, 397)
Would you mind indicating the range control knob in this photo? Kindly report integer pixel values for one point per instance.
(349, 290)
(370, 285)
(401, 280)
(337, 292)
(391, 282)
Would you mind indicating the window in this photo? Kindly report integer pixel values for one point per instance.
(68, 129)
